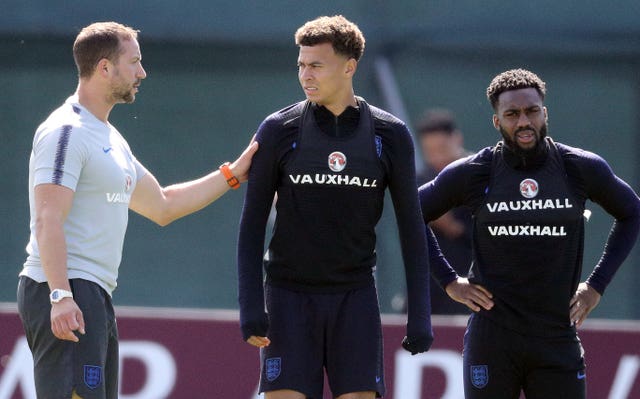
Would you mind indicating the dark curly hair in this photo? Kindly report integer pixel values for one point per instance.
(345, 36)
(514, 79)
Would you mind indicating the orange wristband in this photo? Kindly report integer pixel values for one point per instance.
(232, 181)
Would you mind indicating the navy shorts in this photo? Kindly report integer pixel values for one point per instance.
(499, 363)
(90, 367)
(310, 333)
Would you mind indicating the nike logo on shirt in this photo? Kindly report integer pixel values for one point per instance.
(106, 149)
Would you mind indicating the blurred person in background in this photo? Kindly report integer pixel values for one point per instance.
(441, 142)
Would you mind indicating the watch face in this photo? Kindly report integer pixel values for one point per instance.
(57, 295)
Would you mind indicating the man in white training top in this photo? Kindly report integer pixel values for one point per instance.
(83, 179)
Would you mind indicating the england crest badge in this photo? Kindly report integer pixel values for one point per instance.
(480, 376)
(92, 376)
(272, 368)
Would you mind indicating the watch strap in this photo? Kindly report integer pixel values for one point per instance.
(59, 294)
(232, 181)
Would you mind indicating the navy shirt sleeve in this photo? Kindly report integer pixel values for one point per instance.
(261, 188)
(398, 158)
(594, 176)
(461, 183)
(441, 269)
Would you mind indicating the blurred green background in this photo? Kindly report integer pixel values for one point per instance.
(216, 69)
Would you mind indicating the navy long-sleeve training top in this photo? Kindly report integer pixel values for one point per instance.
(528, 228)
(324, 237)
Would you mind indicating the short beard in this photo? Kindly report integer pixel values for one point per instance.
(524, 152)
(122, 95)
(122, 92)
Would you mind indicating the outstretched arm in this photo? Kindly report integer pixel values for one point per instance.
(164, 205)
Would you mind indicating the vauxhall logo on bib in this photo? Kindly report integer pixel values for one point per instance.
(337, 161)
(529, 188)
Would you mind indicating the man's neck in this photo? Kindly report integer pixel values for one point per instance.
(95, 102)
(338, 107)
(529, 159)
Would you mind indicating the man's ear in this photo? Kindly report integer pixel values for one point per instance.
(103, 67)
(496, 122)
(351, 67)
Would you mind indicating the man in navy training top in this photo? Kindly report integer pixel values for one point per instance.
(329, 159)
(527, 195)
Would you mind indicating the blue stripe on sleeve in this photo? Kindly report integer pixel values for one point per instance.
(61, 154)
